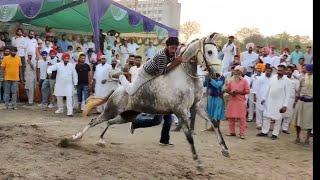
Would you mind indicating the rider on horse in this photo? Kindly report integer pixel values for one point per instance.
(154, 67)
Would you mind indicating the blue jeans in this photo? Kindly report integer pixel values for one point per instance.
(45, 91)
(249, 74)
(82, 91)
(10, 87)
(1, 85)
(145, 120)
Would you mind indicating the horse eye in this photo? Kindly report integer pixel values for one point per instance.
(210, 52)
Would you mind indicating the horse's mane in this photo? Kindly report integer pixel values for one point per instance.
(190, 50)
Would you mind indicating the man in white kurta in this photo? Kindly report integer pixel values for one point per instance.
(254, 80)
(66, 79)
(293, 84)
(259, 89)
(30, 77)
(276, 100)
(229, 51)
(100, 77)
(249, 59)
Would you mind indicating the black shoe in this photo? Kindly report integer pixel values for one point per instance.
(165, 144)
(262, 135)
(286, 132)
(70, 115)
(274, 137)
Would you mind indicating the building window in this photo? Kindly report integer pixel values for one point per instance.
(160, 11)
(144, 12)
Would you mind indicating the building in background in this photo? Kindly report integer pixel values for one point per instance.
(163, 11)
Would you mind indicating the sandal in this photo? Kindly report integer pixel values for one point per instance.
(231, 134)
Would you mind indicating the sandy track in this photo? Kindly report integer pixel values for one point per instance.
(31, 152)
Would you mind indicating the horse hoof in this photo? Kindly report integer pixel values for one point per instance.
(225, 153)
(101, 143)
(200, 167)
(76, 137)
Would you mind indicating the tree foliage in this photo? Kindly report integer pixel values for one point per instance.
(189, 28)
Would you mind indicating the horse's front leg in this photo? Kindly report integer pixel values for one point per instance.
(188, 133)
(204, 115)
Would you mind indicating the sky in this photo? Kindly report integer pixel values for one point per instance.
(270, 17)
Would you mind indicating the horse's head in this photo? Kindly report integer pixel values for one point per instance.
(206, 53)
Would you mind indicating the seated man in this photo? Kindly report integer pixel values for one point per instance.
(157, 66)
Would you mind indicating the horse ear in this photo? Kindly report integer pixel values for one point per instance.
(213, 36)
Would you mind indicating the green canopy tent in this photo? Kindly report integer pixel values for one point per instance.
(81, 15)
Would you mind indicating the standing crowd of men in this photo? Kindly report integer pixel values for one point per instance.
(260, 82)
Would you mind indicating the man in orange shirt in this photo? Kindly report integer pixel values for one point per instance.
(12, 74)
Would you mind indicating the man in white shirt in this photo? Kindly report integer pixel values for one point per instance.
(251, 102)
(132, 47)
(30, 77)
(259, 89)
(21, 43)
(124, 52)
(88, 44)
(276, 100)
(100, 77)
(273, 59)
(249, 59)
(293, 84)
(150, 51)
(135, 69)
(229, 51)
(47, 46)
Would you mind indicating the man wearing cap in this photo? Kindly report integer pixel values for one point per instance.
(157, 66)
(249, 59)
(296, 55)
(30, 77)
(276, 100)
(293, 84)
(303, 115)
(66, 79)
(43, 79)
(260, 88)
(229, 51)
(12, 67)
(252, 95)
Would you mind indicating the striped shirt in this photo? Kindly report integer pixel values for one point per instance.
(158, 65)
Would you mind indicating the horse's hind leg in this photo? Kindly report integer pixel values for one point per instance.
(117, 120)
(189, 137)
(204, 115)
(95, 121)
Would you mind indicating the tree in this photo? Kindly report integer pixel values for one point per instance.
(244, 33)
(189, 28)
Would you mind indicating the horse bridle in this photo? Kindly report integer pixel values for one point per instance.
(202, 50)
(202, 44)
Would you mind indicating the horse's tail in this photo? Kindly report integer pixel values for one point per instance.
(94, 101)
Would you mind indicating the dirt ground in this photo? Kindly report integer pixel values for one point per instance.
(29, 149)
